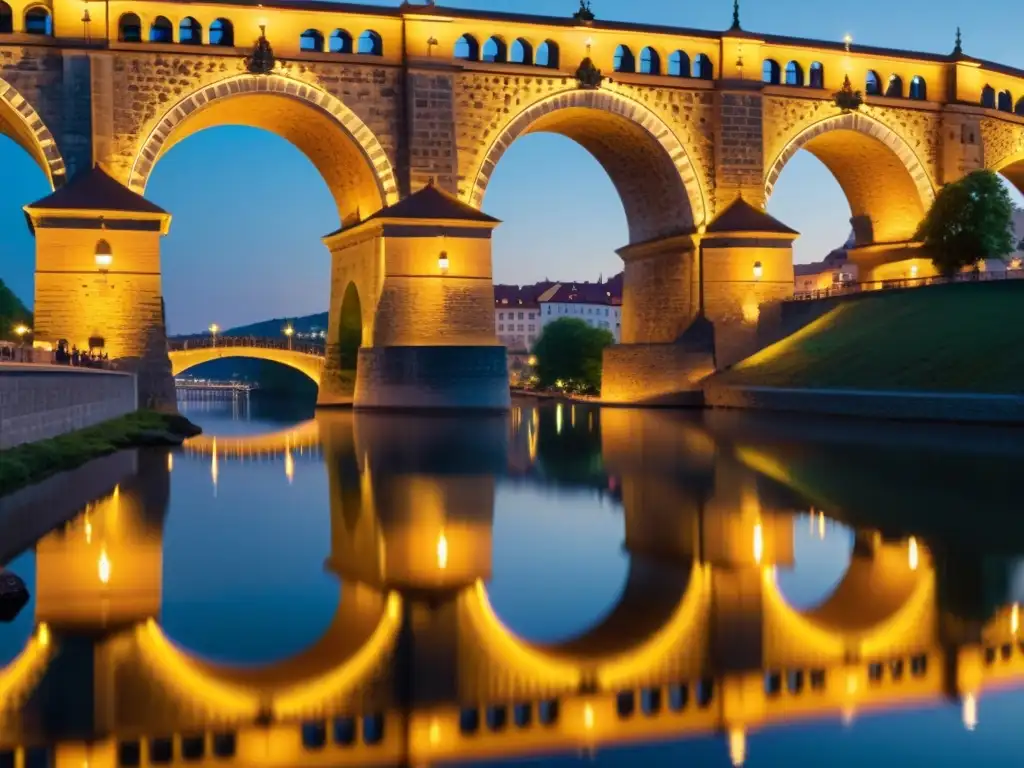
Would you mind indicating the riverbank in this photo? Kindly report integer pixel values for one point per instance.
(31, 462)
(943, 353)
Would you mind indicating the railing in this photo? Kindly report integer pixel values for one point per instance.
(252, 342)
(845, 289)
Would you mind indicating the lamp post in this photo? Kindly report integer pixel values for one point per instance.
(289, 332)
(20, 331)
(104, 255)
(214, 328)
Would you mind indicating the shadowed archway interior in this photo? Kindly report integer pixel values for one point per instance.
(350, 329)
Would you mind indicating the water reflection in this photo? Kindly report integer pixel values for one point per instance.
(754, 573)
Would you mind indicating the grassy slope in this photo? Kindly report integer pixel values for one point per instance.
(32, 462)
(954, 338)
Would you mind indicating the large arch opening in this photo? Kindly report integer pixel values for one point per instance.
(262, 177)
(603, 171)
(645, 161)
(887, 189)
(346, 153)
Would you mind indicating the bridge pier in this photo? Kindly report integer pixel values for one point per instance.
(98, 278)
(420, 273)
(694, 304)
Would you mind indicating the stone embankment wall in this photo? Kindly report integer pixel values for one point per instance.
(40, 402)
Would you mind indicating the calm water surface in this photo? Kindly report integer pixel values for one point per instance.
(561, 586)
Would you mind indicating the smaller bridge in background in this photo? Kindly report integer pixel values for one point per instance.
(306, 358)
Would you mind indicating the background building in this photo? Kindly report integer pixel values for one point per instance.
(597, 304)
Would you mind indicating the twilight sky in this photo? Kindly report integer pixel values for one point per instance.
(231, 258)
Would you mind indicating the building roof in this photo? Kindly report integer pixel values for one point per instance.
(601, 292)
(431, 202)
(95, 190)
(741, 216)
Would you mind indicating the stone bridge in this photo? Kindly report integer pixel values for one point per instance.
(417, 667)
(308, 360)
(694, 128)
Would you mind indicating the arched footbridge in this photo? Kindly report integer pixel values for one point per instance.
(306, 358)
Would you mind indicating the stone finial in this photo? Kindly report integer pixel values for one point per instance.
(736, 15)
(958, 49)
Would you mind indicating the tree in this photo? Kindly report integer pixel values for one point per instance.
(569, 351)
(970, 220)
(12, 313)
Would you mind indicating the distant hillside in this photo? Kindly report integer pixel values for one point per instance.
(12, 313)
(271, 328)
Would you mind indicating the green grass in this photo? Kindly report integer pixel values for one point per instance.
(32, 462)
(950, 338)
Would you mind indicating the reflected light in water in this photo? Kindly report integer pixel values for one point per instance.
(1015, 618)
(435, 732)
(88, 530)
(758, 543)
(821, 526)
(44, 634)
(558, 419)
(170, 461)
(912, 553)
(588, 717)
(103, 567)
(970, 712)
(289, 465)
(737, 746)
(442, 551)
(213, 466)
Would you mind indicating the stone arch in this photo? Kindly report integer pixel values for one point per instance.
(647, 163)
(20, 122)
(862, 152)
(309, 365)
(346, 152)
(1011, 167)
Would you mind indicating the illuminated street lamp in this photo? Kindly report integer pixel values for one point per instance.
(758, 270)
(20, 331)
(442, 261)
(289, 332)
(214, 328)
(104, 255)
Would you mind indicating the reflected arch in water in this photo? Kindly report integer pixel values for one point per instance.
(822, 551)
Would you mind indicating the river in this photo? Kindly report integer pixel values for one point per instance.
(563, 585)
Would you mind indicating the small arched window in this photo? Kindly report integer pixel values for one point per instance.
(679, 64)
(190, 31)
(341, 41)
(988, 97)
(703, 68)
(311, 40)
(547, 54)
(38, 21)
(1005, 102)
(495, 50)
(625, 61)
(161, 30)
(222, 32)
(370, 44)
(872, 84)
(650, 61)
(918, 88)
(6, 19)
(771, 72)
(466, 47)
(1019, 109)
(129, 28)
(794, 73)
(522, 52)
(894, 88)
(817, 75)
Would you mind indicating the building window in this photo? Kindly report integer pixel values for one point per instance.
(501, 327)
(520, 315)
(521, 327)
(532, 327)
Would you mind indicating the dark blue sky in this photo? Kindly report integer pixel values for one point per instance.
(231, 259)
